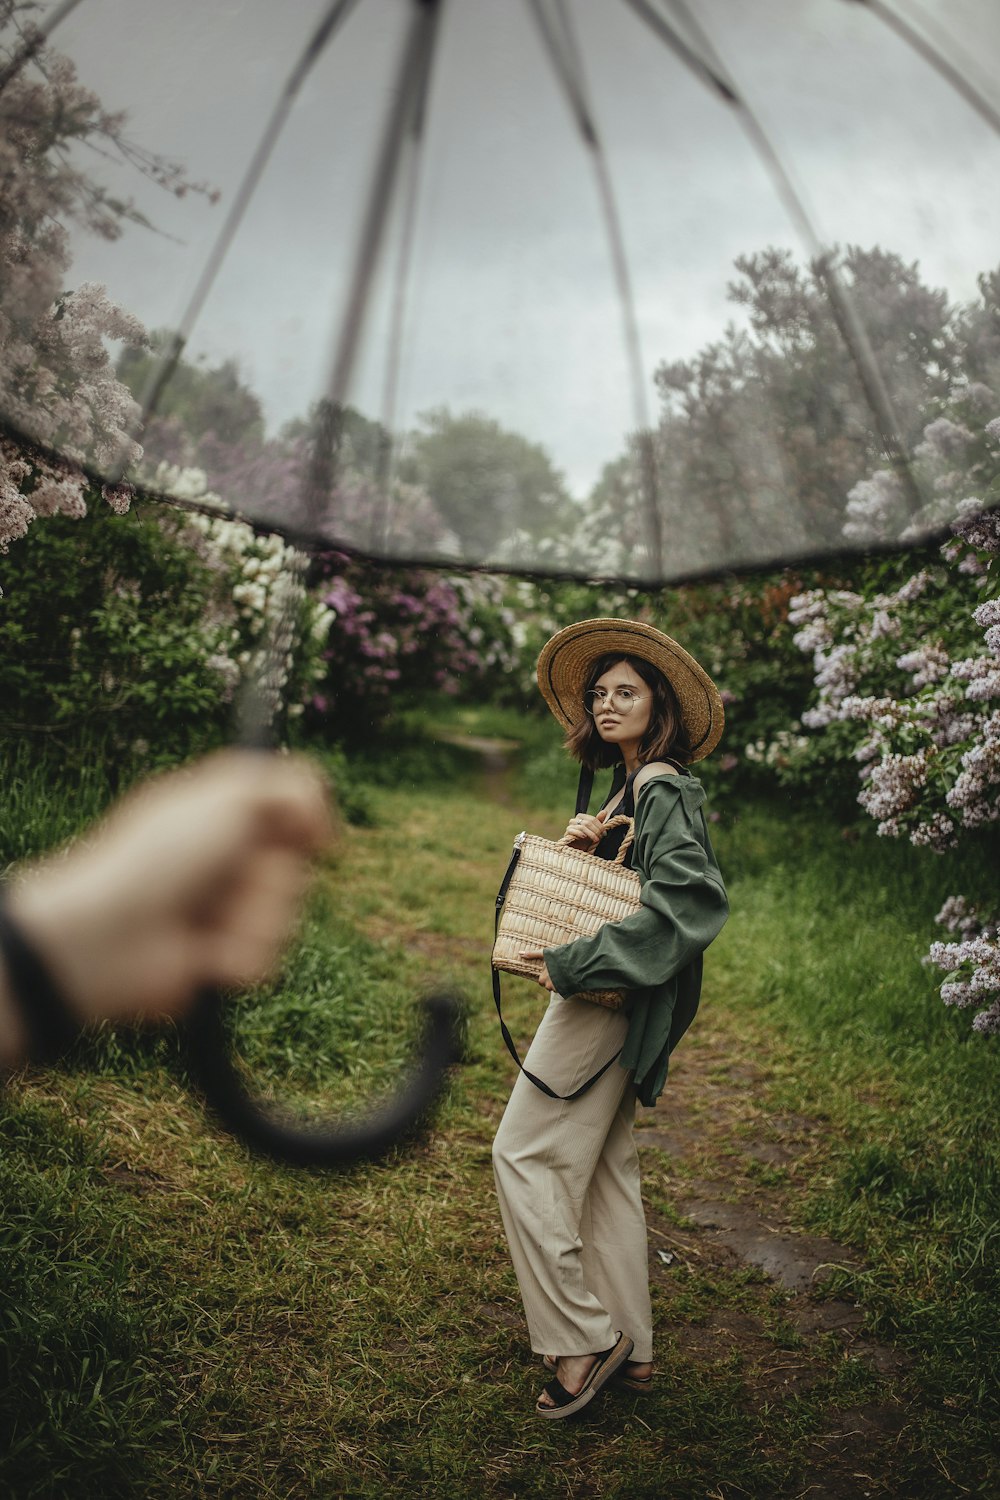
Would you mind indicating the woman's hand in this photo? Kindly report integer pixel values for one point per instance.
(532, 954)
(585, 831)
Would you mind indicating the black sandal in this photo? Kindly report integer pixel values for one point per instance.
(641, 1383)
(605, 1365)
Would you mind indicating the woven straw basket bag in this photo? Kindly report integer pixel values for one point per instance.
(553, 894)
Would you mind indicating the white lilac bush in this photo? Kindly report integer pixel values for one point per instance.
(57, 383)
(916, 668)
(261, 625)
(92, 411)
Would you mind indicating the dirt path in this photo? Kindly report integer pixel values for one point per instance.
(724, 1161)
(732, 1171)
(495, 755)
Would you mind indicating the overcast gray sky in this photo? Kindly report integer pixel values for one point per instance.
(511, 307)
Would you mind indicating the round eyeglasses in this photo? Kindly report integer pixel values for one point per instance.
(621, 699)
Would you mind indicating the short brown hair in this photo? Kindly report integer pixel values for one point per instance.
(665, 736)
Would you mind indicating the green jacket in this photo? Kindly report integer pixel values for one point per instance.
(655, 954)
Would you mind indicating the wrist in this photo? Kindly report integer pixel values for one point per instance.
(14, 1040)
(52, 913)
(553, 968)
(36, 1022)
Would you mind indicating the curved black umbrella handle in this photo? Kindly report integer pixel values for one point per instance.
(336, 1145)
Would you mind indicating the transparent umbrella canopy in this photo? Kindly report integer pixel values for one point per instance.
(633, 289)
(629, 289)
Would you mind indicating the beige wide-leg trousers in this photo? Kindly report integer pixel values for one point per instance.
(567, 1176)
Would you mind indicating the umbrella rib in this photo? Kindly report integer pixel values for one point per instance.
(935, 57)
(329, 23)
(688, 56)
(567, 68)
(567, 63)
(414, 68)
(390, 395)
(404, 112)
(845, 314)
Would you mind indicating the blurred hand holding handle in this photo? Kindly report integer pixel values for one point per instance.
(194, 879)
(191, 885)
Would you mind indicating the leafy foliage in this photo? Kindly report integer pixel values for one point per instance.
(136, 630)
(104, 624)
(487, 483)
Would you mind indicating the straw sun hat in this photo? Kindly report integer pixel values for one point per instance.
(566, 660)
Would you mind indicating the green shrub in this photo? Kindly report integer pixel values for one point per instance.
(104, 639)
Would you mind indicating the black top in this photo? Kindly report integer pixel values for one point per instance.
(608, 846)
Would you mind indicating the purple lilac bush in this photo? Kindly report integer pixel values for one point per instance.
(916, 670)
(397, 633)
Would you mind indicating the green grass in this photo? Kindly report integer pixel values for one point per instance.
(73, 1385)
(823, 952)
(48, 797)
(180, 1318)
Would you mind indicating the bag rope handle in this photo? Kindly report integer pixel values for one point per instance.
(615, 822)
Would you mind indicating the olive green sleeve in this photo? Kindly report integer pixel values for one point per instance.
(684, 904)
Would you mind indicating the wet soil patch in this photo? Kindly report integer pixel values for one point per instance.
(140, 1180)
(796, 1261)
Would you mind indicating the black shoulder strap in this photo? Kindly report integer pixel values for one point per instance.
(584, 788)
(585, 785)
(511, 1048)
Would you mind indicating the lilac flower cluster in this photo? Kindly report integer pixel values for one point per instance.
(977, 527)
(925, 664)
(876, 508)
(57, 384)
(260, 625)
(949, 458)
(893, 786)
(840, 629)
(918, 670)
(402, 632)
(972, 964)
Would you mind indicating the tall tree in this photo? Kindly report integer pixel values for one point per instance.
(204, 399)
(764, 431)
(487, 483)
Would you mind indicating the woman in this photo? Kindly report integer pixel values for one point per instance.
(567, 1171)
